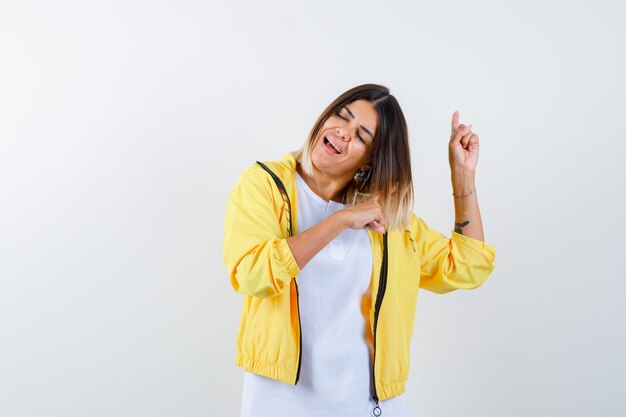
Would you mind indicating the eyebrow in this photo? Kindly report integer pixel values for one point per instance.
(363, 127)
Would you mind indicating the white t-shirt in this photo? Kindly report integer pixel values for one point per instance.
(336, 368)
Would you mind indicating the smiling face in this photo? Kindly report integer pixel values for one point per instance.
(345, 141)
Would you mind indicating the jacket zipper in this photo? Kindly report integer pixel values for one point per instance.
(382, 286)
(379, 298)
(283, 191)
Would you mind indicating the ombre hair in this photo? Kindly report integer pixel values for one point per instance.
(390, 161)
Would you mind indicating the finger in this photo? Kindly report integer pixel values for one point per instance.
(455, 121)
(376, 227)
(465, 139)
(464, 142)
(454, 132)
(473, 142)
(461, 131)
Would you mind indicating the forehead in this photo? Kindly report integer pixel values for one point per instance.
(364, 112)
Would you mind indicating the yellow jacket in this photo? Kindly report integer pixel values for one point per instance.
(262, 212)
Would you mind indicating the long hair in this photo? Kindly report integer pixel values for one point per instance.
(390, 175)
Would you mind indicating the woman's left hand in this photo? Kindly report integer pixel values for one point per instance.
(463, 147)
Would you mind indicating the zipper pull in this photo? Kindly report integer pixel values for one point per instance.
(377, 411)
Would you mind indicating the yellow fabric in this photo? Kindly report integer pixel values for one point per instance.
(262, 268)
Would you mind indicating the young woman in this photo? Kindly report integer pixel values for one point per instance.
(329, 256)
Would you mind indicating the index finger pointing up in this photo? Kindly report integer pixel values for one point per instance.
(455, 120)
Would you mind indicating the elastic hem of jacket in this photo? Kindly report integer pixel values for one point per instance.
(286, 375)
(286, 256)
(390, 389)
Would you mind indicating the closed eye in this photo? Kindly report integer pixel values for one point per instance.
(343, 118)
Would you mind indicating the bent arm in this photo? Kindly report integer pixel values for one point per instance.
(259, 260)
(307, 244)
(448, 264)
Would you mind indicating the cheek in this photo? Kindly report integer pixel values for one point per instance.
(359, 156)
(327, 127)
(366, 150)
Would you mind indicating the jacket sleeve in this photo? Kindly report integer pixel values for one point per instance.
(448, 264)
(259, 261)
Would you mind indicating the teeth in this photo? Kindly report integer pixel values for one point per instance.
(332, 144)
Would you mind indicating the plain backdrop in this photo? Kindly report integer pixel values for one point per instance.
(124, 125)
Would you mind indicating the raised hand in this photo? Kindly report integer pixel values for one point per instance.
(463, 146)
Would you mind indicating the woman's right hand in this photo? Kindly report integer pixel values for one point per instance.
(366, 215)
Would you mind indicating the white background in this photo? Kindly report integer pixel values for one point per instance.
(124, 124)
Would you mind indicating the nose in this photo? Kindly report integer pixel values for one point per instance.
(342, 132)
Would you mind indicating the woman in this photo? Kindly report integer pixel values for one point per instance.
(329, 256)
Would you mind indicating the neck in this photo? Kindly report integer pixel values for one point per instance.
(328, 188)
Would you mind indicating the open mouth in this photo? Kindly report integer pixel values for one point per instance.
(330, 146)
